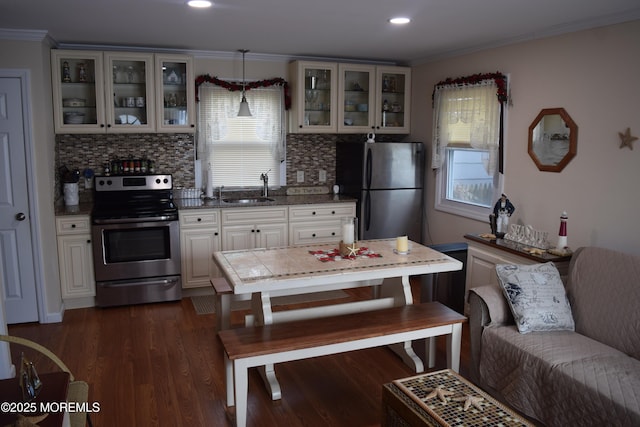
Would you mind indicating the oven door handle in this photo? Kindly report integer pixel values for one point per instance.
(140, 282)
(99, 221)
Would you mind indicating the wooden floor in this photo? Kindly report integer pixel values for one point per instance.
(161, 365)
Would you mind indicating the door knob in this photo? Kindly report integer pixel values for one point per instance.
(20, 216)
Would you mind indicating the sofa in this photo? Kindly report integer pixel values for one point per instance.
(582, 375)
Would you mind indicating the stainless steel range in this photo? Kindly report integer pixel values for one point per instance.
(136, 237)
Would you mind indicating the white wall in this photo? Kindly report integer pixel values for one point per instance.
(594, 76)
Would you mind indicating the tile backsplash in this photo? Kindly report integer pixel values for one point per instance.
(174, 154)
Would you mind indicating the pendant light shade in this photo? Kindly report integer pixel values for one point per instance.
(244, 105)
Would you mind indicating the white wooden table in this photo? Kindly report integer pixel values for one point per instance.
(268, 273)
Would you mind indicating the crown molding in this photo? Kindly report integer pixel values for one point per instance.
(26, 35)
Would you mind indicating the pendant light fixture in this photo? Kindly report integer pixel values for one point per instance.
(244, 105)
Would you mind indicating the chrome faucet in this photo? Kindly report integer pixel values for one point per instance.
(265, 179)
(220, 192)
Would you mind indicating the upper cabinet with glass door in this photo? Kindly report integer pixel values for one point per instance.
(78, 91)
(356, 98)
(393, 99)
(130, 92)
(175, 95)
(314, 88)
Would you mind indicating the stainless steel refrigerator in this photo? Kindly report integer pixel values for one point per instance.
(387, 178)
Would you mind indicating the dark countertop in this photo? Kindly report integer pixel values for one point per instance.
(516, 248)
(84, 208)
(277, 201)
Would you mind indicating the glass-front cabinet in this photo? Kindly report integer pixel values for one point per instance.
(130, 92)
(393, 99)
(356, 98)
(314, 87)
(175, 96)
(78, 91)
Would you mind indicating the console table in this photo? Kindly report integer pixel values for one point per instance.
(483, 254)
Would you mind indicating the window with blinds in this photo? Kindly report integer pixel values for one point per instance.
(238, 149)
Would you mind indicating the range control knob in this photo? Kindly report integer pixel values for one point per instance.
(157, 180)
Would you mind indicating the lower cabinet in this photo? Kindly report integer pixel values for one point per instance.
(314, 224)
(249, 228)
(75, 260)
(199, 239)
(204, 231)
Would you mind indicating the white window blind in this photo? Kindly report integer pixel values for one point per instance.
(238, 149)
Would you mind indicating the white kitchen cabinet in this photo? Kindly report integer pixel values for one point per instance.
(75, 260)
(130, 92)
(393, 100)
(356, 98)
(260, 227)
(199, 239)
(484, 255)
(318, 223)
(122, 92)
(315, 97)
(77, 78)
(374, 99)
(175, 95)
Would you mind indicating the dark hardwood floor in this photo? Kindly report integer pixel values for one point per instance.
(162, 365)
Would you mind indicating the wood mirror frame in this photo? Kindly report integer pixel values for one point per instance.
(560, 146)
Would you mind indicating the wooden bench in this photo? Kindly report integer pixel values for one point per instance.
(222, 303)
(256, 346)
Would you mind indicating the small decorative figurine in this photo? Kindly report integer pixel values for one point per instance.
(66, 73)
(82, 73)
(502, 210)
(562, 234)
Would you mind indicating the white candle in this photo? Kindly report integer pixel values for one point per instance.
(348, 231)
(402, 244)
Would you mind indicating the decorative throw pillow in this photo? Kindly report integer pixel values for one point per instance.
(536, 296)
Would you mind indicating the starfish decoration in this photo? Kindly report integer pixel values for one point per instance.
(470, 400)
(626, 139)
(353, 250)
(440, 393)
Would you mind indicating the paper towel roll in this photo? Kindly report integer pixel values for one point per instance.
(209, 188)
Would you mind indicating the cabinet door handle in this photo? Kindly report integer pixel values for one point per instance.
(20, 216)
(88, 241)
(199, 219)
(313, 235)
(257, 231)
(313, 213)
(215, 234)
(333, 212)
(73, 226)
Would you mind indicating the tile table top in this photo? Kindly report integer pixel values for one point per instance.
(261, 270)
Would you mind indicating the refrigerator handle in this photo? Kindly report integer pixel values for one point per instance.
(367, 211)
(368, 169)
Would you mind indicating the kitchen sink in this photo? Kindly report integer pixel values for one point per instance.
(247, 200)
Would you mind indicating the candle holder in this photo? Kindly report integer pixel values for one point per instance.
(349, 243)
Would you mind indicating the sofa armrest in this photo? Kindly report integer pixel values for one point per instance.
(487, 307)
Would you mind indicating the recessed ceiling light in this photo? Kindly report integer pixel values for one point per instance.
(199, 3)
(399, 20)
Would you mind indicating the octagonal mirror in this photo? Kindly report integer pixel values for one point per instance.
(553, 139)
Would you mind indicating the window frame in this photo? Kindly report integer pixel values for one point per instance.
(204, 149)
(470, 210)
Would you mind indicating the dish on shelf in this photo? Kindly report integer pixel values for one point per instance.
(73, 102)
(73, 118)
(128, 119)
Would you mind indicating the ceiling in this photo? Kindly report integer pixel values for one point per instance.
(354, 29)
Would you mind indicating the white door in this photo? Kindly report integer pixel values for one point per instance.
(17, 273)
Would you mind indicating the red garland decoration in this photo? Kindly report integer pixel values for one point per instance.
(234, 87)
(498, 77)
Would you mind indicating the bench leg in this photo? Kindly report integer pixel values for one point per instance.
(430, 352)
(228, 376)
(241, 382)
(223, 311)
(453, 347)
